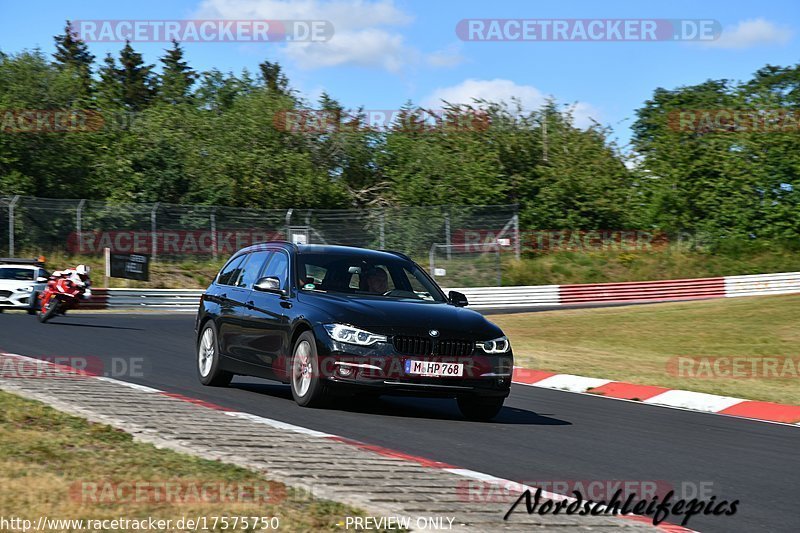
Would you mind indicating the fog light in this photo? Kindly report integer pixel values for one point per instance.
(345, 371)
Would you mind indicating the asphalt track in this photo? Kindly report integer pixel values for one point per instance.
(540, 435)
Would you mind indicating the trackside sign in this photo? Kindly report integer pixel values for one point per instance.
(180, 242)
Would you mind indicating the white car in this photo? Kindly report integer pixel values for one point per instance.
(21, 281)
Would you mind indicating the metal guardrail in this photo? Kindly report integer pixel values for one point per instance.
(510, 297)
(760, 284)
(513, 297)
(181, 299)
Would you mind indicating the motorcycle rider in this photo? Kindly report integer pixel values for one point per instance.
(79, 276)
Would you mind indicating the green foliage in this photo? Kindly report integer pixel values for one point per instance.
(177, 77)
(735, 180)
(180, 136)
(73, 54)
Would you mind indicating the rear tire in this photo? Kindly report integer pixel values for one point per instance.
(208, 356)
(49, 310)
(308, 387)
(480, 409)
(32, 310)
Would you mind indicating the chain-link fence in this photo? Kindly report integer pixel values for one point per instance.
(468, 266)
(166, 231)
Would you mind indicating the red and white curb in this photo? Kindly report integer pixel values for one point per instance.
(506, 485)
(650, 394)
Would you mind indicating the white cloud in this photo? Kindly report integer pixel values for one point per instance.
(500, 90)
(448, 57)
(366, 33)
(750, 33)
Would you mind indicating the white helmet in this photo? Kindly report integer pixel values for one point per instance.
(82, 270)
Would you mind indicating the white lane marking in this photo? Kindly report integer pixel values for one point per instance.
(698, 401)
(308, 431)
(278, 424)
(464, 472)
(571, 383)
(35, 360)
(661, 406)
(136, 386)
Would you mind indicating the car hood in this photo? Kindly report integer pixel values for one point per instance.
(390, 316)
(13, 285)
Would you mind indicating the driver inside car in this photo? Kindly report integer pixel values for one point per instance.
(377, 280)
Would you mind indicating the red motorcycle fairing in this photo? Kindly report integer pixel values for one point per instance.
(59, 292)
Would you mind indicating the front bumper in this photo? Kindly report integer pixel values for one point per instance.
(17, 299)
(380, 369)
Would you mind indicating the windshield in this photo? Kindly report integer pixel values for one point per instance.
(365, 275)
(16, 273)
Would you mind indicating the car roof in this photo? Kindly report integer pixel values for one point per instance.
(346, 250)
(328, 249)
(13, 265)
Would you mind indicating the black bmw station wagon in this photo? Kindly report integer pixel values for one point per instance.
(340, 320)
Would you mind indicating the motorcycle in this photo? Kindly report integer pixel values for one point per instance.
(59, 295)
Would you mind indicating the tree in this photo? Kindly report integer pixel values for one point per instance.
(177, 77)
(273, 77)
(73, 53)
(109, 87)
(135, 78)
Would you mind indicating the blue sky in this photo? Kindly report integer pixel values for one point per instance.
(387, 52)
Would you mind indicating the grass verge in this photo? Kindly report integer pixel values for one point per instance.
(60, 466)
(636, 343)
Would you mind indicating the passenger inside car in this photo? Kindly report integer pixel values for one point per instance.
(376, 280)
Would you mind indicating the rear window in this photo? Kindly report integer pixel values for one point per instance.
(18, 274)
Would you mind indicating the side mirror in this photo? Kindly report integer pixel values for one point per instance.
(268, 284)
(41, 279)
(458, 299)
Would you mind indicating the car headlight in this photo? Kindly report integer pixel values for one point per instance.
(351, 335)
(25, 289)
(499, 345)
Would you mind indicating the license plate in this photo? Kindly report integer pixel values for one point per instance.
(432, 368)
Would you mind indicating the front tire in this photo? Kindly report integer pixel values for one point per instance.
(308, 387)
(208, 358)
(32, 310)
(49, 310)
(480, 409)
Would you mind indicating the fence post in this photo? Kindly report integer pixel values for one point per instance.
(447, 235)
(79, 224)
(382, 222)
(153, 234)
(516, 237)
(499, 266)
(431, 260)
(214, 232)
(289, 224)
(11, 225)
